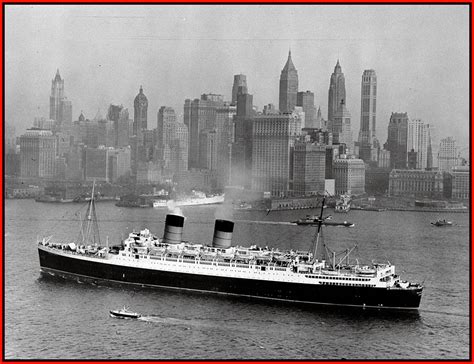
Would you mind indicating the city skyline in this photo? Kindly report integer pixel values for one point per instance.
(156, 51)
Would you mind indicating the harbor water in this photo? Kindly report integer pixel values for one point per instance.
(48, 317)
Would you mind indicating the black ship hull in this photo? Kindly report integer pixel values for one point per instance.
(309, 293)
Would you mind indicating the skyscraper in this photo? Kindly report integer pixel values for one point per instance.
(120, 119)
(340, 126)
(38, 153)
(239, 86)
(241, 149)
(288, 86)
(447, 155)
(140, 115)
(397, 140)
(367, 114)
(309, 165)
(56, 97)
(273, 139)
(337, 91)
(419, 141)
(305, 99)
(172, 142)
(199, 115)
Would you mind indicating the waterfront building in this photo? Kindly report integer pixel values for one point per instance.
(337, 91)
(288, 86)
(273, 138)
(349, 175)
(38, 153)
(418, 183)
(140, 114)
(460, 182)
(309, 164)
(199, 115)
(376, 179)
(448, 154)
(419, 141)
(305, 99)
(239, 87)
(397, 140)
(367, 114)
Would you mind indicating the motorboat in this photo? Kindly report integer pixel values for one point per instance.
(124, 313)
(442, 223)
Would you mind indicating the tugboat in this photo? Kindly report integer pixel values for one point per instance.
(443, 222)
(124, 313)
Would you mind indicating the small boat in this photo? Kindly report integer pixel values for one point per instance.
(442, 223)
(124, 313)
(314, 220)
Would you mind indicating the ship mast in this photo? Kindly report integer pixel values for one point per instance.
(318, 234)
(90, 227)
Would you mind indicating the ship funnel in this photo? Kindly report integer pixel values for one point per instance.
(223, 234)
(173, 229)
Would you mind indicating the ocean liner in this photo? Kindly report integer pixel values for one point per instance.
(318, 276)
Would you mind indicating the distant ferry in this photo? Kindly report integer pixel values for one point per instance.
(317, 276)
(198, 198)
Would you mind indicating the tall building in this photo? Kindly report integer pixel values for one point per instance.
(208, 149)
(305, 99)
(367, 114)
(447, 155)
(309, 164)
(419, 141)
(199, 115)
(337, 91)
(288, 86)
(239, 86)
(241, 148)
(172, 142)
(397, 140)
(349, 175)
(65, 112)
(140, 115)
(56, 97)
(60, 109)
(166, 125)
(119, 117)
(273, 138)
(224, 137)
(37, 153)
(340, 126)
(461, 182)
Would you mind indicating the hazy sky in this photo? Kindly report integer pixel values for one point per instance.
(104, 53)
